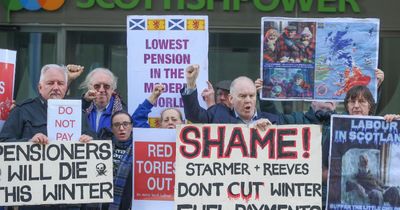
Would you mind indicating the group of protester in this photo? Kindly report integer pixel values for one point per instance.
(105, 116)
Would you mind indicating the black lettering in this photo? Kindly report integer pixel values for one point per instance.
(296, 189)
(208, 143)
(67, 151)
(79, 151)
(182, 189)
(282, 144)
(184, 206)
(81, 167)
(22, 151)
(92, 149)
(16, 174)
(9, 153)
(81, 185)
(268, 139)
(105, 151)
(49, 195)
(193, 142)
(49, 152)
(41, 172)
(26, 194)
(65, 171)
(237, 140)
(189, 169)
(35, 152)
(285, 169)
(107, 188)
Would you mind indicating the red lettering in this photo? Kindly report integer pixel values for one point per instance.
(65, 123)
(65, 110)
(276, 143)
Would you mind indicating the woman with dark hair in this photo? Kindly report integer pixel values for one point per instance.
(358, 101)
(121, 127)
(121, 136)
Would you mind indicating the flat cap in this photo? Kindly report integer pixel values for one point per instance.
(224, 85)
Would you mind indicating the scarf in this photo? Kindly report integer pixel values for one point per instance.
(120, 178)
(116, 106)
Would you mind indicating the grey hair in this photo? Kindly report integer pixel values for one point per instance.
(46, 67)
(239, 79)
(88, 80)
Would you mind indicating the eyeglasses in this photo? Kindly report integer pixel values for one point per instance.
(98, 86)
(124, 124)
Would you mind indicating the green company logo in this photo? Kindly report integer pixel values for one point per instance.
(322, 6)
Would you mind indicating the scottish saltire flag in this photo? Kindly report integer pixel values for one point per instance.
(137, 24)
(176, 24)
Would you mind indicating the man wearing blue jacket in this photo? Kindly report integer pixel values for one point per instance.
(242, 96)
(100, 100)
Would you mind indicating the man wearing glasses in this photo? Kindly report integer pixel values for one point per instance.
(100, 100)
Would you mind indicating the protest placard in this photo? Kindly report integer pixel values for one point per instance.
(7, 73)
(364, 166)
(56, 173)
(234, 167)
(64, 119)
(159, 50)
(154, 168)
(317, 58)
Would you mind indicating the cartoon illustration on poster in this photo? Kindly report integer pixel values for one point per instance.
(288, 59)
(282, 82)
(347, 56)
(364, 166)
(317, 58)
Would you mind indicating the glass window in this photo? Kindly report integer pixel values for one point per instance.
(34, 49)
(98, 49)
(389, 99)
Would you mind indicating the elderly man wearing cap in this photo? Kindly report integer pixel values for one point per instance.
(221, 96)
